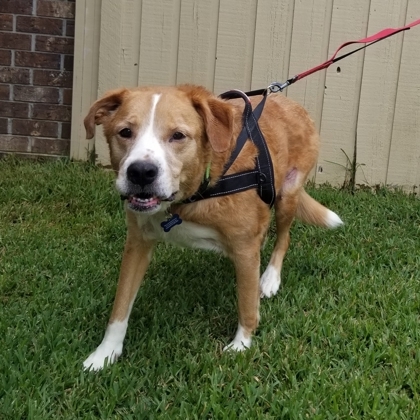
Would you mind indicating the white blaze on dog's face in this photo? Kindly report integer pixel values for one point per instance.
(162, 137)
(157, 146)
(149, 172)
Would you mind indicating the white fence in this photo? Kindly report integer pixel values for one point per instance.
(372, 97)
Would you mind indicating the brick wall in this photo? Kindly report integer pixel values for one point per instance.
(36, 74)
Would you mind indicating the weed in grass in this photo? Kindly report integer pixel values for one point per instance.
(340, 340)
(351, 167)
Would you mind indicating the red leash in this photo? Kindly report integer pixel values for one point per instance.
(385, 33)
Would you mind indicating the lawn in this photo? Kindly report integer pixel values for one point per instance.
(340, 340)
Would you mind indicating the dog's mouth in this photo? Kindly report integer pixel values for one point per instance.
(145, 202)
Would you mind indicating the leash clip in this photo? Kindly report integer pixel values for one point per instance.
(276, 87)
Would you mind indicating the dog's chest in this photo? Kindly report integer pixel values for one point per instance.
(186, 234)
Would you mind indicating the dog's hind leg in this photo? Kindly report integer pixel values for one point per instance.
(285, 210)
(136, 259)
(293, 201)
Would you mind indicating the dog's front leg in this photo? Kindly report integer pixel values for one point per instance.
(136, 259)
(247, 267)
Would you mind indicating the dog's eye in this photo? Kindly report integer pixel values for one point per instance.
(178, 136)
(126, 133)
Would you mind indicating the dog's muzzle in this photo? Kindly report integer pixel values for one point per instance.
(141, 195)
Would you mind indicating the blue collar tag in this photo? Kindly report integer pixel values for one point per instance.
(168, 224)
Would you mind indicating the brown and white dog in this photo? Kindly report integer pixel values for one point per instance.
(161, 141)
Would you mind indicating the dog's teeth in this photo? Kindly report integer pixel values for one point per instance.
(143, 200)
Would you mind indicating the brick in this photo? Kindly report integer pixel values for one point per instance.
(14, 75)
(37, 60)
(51, 147)
(17, 7)
(54, 44)
(36, 94)
(37, 25)
(3, 125)
(15, 41)
(4, 92)
(66, 131)
(53, 78)
(5, 58)
(61, 9)
(14, 109)
(51, 112)
(34, 128)
(70, 28)
(14, 143)
(6, 22)
(34, 157)
(67, 96)
(68, 62)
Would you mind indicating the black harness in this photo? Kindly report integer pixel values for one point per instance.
(262, 176)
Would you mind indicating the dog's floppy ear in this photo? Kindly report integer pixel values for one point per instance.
(217, 116)
(102, 108)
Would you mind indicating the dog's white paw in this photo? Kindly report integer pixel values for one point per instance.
(238, 346)
(269, 282)
(240, 342)
(110, 348)
(105, 352)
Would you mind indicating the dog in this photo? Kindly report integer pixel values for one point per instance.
(162, 142)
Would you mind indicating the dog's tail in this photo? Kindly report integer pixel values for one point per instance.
(314, 213)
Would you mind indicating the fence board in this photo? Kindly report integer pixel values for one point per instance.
(198, 42)
(273, 39)
(109, 67)
(130, 43)
(235, 45)
(112, 19)
(379, 88)
(404, 162)
(85, 79)
(159, 42)
(342, 92)
(120, 37)
(310, 40)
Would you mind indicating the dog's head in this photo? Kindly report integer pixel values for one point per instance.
(161, 139)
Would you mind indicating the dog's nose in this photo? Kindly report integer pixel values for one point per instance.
(142, 173)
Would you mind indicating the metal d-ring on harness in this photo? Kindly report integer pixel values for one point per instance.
(262, 176)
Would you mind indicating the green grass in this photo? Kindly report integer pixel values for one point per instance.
(339, 341)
